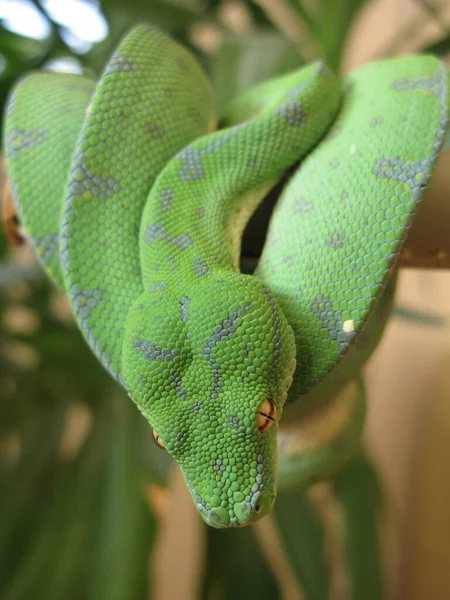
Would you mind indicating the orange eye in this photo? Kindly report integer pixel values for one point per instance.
(158, 440)
(265, 417)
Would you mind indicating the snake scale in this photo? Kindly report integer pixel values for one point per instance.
(136, 204)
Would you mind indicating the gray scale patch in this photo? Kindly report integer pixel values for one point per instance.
(184, 307)
(157, 286)
(154, 130)
(258, 486)
(376, 121)
(411, 172)
(84, 301)
(46, 245)
(336, 240)
(228, 326)
(293, 112)
(64, 242)
(192, 168)
(217, 466)
(165, 198)
(225, 329)
(22, 139)
(175, 380)
(151, 351)
(182, 241)
(301, 205)
(332, 321)
(323, 70)
(156, 231)
(233, 421)
(294, 91)
(120, 64)
(84, 180)
(276, 331)
(432, 84)
(252, 162)
(196, 407)
(200, 267)
(172, 261)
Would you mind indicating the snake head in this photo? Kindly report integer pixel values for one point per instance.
(210, 370)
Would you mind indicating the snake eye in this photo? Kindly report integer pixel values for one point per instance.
(158, 440)
(265, 417)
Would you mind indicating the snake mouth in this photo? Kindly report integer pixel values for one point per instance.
(11, 223)
(239, 514)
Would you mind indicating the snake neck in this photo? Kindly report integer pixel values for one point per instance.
(204, 238)
(195, 213)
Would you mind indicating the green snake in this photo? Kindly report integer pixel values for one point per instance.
(136, 205)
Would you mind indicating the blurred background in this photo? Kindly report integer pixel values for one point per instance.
(90, 508)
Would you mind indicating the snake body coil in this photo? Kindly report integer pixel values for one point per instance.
(136, 207)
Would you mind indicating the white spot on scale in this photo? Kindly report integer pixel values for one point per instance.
(348, 326)
(352, 149)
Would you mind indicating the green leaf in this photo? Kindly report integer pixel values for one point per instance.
(119, 565)
(238, 65)
(358, 492)
(57, 554)
(31, 478)
(306, 16)
(21, 52)
(302, 536)
(440, 47)
(236, 568)
(418, 316)
(336, 18)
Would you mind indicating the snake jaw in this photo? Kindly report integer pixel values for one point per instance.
(158, 441)
(242, 513)
(11, 223)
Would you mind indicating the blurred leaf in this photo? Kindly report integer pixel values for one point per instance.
(30, 477)
(59, 551)
(440, 47)
(11, 272)
(417, 316)
(433, 11)
(302, 536)
(165, 15)
(335, 18)
(238, 65)
(21, 52)
(192, 5)
(358, 492)
(236, 568)
(173, 19)
(119, 566)
(306, 16)
(155, 464)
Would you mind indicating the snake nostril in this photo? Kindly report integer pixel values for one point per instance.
(257, 507)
